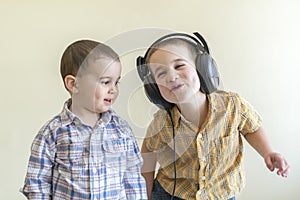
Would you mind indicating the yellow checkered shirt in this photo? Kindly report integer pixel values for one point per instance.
(208, 160)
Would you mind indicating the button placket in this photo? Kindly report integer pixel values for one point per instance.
(202, 156)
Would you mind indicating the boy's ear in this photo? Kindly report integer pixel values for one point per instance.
(70, 83)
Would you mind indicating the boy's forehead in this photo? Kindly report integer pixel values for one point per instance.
(99, 65)
(103, 60)
(174, 50)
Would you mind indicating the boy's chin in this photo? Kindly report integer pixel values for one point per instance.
(102, 110)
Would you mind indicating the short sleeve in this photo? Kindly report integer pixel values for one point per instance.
(157, 135)
(250, 119)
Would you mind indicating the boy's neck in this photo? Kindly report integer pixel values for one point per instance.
(86, 117)
(195, 110)
(91, 120)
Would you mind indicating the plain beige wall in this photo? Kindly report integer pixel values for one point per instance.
(254, 42)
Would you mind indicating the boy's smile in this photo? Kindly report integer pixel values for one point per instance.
(177, 87)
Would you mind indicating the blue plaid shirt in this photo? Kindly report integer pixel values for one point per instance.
(70, 160)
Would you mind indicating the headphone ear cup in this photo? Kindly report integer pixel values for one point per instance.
(153, 94)
(150, 86)
(142, 67)
(208, 73)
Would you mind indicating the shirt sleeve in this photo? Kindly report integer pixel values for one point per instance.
(250, 119)
(39, 173)
(135, 185)
(156, 136)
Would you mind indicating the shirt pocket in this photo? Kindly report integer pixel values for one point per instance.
(226, 154)
(115, 151)
(69, 156)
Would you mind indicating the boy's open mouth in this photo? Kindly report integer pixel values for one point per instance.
(108, 100)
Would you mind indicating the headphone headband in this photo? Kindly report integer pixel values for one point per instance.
(200, 42)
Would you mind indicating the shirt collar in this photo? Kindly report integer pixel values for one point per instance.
(67, 117)
(212, 98)
(176, 116)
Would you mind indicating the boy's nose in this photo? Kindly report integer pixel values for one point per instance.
(172, 75)
(112, 89)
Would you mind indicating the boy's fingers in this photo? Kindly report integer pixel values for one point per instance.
(269, 163)
(285, 170)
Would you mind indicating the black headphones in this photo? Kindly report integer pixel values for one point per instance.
(205, 65)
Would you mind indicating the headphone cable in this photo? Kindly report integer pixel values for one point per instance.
(175, 158)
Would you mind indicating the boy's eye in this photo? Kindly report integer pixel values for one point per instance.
(179, 65)
(160, 74)
(104, 82)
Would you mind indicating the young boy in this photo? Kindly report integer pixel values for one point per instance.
(87, 151)
(196, 136)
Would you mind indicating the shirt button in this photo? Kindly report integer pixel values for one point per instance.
(199, 136)
(203, 178)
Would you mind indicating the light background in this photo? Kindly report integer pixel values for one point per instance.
(255, 44)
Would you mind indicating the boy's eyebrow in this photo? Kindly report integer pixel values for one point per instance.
(109, 77)
(179, 59)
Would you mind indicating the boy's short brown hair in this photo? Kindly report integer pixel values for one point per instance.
(78, 53)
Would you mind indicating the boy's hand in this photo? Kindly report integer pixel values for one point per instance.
(275, 160)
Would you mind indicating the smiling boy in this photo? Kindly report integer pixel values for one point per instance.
(87, 151)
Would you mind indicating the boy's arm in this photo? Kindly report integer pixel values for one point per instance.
(39, 173)
(148, 168)
(261, 143)
(135, 185)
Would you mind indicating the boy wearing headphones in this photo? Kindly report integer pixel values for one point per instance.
(196, 136)
(87, 151)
